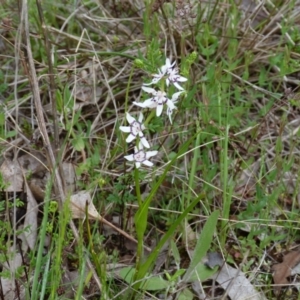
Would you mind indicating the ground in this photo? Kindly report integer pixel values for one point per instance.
(149, 149)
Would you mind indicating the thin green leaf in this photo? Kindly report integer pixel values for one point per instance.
(144, 268)
(141, 215)
(175, 252)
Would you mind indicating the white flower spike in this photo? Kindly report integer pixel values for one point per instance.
(158, 100)
(141, 157)
(135, 129)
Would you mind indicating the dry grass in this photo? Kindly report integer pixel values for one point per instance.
(63, 103)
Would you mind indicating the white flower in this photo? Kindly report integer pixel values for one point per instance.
(157, 77)
(141, 157)
(171, 74)
(170, 110)
(174, 100)
(169, 114)
(135, 129)
(158, 100)
(168, 66)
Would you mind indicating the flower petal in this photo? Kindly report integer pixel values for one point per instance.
(169, 113)
(176, 84)
(129, 157)
(159, 110)
(129, 118)
(125, 128)
(144, 142)
(151, 153)
(168, 65)
(164, 69)
(130, 138)
(173, 64)
(181, 79)
(137, 164)
(171, 104)
(148, 163)
(176, 95)
(156, 79)
(150, 103)
(140, 104)
(149, 90)
(141, 117)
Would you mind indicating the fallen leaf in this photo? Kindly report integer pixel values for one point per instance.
(214, 259)
(12, 176)
(38, 184)
(86, 93)
(29, 235)
(198, 290)
(79, 202)
(78, 209)
(283, 270)
(296, 270)
(9, 284)
(33, 163)
(162, 257)
(189, 235)
(69, 176)
(236, 284)
(71, 281)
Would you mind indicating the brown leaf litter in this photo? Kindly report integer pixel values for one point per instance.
(283, 270)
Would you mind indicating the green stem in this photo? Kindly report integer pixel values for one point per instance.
(137, 187)
(149, 118)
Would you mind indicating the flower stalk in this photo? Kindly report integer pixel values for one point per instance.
(160, 99)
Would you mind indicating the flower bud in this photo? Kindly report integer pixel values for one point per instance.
(139, 63)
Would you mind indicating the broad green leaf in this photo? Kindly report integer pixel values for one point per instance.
(155, 283)
(59, 101)
(151, 283)
(78, 143)
(68, 98)
(177, 274)
(202, 272)
(203, 243)
(127, 274)
(11, 134)
(186, 294)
